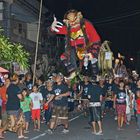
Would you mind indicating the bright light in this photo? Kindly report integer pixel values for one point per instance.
(131, 59)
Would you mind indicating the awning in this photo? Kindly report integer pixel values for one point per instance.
(2, 70)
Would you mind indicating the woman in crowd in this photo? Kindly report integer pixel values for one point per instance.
(120, 104)
(15, 121)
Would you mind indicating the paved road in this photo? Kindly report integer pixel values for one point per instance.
(80, 130)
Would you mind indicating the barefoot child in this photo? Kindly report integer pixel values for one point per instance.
(37, 100)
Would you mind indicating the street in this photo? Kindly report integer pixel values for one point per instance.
(80, 130)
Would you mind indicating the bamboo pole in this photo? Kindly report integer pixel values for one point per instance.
(37, 40)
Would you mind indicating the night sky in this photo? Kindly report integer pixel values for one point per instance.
(115, 20)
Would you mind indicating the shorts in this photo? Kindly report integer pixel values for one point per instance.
(27, 116)
(36, 114)
(109, 104)
(95, 114)
(60, 112)
(121, 109)
(13, 112)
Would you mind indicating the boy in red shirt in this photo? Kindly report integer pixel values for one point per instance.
(138, 110)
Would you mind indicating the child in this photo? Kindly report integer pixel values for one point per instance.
(36, 106)
(138, 110)
(25, 105)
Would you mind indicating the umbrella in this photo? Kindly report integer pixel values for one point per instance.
(2, 70)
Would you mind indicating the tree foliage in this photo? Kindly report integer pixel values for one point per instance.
(12, 52)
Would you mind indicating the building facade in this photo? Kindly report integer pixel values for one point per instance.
(19, 19)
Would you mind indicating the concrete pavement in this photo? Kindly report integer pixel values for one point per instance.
(80, 130)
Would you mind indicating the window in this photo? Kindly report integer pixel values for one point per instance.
(20, 28)
(1, 16)
(1, 5)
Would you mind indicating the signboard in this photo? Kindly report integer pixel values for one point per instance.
(108, 55)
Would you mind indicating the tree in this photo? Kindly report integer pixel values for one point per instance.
(12, 52)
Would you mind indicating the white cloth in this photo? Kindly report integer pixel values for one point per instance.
(36, 99)
(128, 110)
(0, 102)
(94, 104)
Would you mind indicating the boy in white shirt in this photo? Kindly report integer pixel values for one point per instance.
(36, 106)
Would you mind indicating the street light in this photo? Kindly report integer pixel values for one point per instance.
(131, 59)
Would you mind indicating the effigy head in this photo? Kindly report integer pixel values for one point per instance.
(72, 17)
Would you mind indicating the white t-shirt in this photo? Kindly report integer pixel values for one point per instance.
(36, 98)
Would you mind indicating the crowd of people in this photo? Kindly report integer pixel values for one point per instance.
(51, 101)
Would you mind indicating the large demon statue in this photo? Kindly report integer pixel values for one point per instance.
(82, 41)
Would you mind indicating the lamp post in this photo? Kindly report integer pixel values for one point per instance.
(132, 64)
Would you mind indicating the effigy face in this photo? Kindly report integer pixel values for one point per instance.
(73, 18)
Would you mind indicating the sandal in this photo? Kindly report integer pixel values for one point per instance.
(26, 137)
(38, 130)
(22, 137)
(1, 137)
